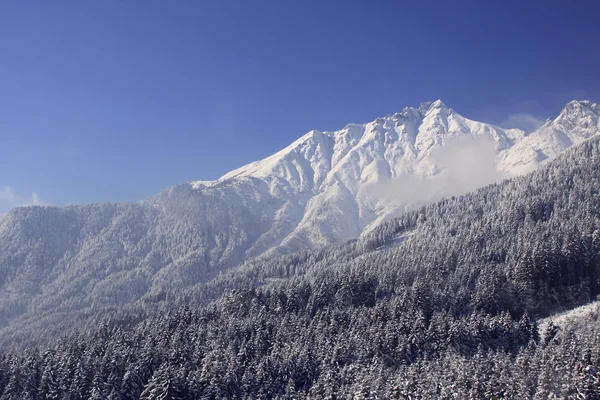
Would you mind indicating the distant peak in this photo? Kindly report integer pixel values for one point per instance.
(575, 105)
(424, 109)
(578, 108)
(432, 106)
(438, 104)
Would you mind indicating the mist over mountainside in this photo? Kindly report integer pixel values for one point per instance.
(411, 157)
(326, 187)
(440, 302)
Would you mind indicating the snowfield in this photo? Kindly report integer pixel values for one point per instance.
(329, 187)
(572, 317)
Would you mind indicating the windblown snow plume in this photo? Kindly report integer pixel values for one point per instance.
(463, 164)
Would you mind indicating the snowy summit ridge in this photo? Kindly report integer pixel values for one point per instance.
(323, 188)
(332, 186)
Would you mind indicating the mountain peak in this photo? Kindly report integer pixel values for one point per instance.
(578, 108)
(429, 107)
(579, 117)
(579, 120)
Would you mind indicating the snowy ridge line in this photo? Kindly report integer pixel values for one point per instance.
(335, 186)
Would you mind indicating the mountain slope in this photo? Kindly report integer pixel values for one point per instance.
(438, 303)
(326, 187)
(342, 182)
(577, 122)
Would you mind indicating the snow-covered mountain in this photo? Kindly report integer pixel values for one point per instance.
(332, 186)
(325, 187)
(578, 121)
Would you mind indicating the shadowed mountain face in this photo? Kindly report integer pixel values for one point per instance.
(324, 188)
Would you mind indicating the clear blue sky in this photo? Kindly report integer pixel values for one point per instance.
(117, 100)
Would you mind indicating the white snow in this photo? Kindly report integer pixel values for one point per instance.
(568, 318)
(397, 240)
(337, 185)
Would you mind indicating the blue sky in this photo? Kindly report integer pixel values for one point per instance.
(117, 100)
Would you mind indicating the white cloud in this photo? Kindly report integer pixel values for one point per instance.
(7, 194)
(10, 199)
(464, 164)
(523, 121)
(35, 199)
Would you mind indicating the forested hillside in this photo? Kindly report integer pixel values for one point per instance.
(439, 303)
(60, 264)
